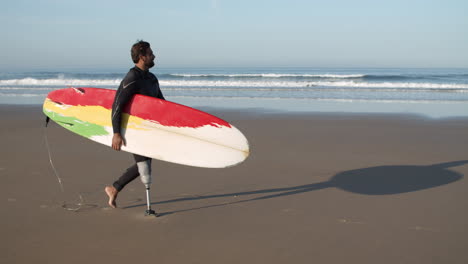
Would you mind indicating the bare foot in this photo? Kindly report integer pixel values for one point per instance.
(112, 193)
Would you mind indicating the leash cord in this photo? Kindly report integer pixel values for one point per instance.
(65, 206)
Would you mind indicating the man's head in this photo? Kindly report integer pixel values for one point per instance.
(142, 54)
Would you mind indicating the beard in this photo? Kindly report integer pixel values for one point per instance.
(149, 64)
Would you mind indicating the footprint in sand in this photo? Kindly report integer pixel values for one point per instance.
(347, 221)
(421, 228)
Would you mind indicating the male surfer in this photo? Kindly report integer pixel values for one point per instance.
(137, 81)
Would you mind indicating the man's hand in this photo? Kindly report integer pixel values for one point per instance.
(117, 141)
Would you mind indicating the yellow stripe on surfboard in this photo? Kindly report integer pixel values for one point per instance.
(94, 114)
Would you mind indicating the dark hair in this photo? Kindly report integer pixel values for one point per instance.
(139, 49)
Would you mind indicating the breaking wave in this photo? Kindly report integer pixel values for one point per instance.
(59, 82)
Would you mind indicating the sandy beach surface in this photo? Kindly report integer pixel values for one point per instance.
(317, 188)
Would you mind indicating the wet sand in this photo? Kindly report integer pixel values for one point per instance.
(317, 188)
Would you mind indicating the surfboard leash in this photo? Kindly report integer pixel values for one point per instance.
(46, 139)
(64, 203)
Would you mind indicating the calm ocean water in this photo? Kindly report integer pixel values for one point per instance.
(429, 92)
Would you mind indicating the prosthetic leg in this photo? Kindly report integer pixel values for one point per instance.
(144, 168)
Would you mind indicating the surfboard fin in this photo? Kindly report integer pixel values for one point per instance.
(79, 90)
(47, 121)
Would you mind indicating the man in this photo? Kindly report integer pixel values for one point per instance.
(137, 81)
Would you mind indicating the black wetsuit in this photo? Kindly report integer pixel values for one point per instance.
(136, 81)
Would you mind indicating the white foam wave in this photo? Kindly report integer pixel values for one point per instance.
(58, 82)
(22, 95)
(25, 88)
(61, 82)
(344, 84)
(272, 75)
(310, 89)
(392, 85)
(197, 83)
(341, 100)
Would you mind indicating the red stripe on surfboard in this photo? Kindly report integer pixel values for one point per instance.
(164, 112)
(83, 97)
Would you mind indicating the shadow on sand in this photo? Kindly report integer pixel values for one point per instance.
(380, 180)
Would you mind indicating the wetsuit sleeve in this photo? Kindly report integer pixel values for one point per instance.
(125, 92)
(160, 95)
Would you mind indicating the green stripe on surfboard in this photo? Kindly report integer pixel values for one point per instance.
(78, 126)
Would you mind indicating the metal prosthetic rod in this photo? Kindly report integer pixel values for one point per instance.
(148, 203)
(144, 168)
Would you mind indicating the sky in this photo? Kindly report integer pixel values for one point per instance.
(98, 34)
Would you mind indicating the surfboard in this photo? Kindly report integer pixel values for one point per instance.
(151, 127)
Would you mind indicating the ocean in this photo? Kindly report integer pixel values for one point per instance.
(435, 93)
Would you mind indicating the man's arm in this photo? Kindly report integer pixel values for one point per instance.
(125, 92)
(160, 94)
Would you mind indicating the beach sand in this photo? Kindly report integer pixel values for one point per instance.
(317, 188)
